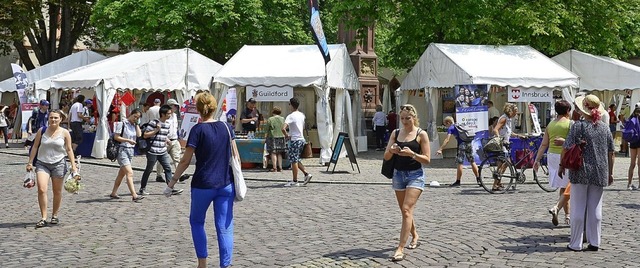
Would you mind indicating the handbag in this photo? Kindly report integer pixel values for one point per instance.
(234, 162)
(572, 158)
(113, 146)
(493, 145)
(389, 165)
(307, 152)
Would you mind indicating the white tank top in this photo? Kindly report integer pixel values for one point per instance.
(505, 131)
(51, 150)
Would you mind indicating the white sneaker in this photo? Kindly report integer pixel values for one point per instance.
(307, 178)
(632, 187)
(292, 184)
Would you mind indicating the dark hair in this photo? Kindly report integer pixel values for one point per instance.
(146, 104)
(164, 109)
(490, 102)
(493, 120)
(80, 98)
(635, 113)
(295, 103)
(562, 107)
(136, 111)
(612, 105)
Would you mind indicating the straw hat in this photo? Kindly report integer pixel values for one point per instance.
(587, 104)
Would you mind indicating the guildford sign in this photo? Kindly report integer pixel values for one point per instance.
(516, 94)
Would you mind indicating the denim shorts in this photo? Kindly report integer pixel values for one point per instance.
(55, 170)
(125, 155)
(403, 179)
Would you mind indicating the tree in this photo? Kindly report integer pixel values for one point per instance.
(217, 29)
(52, 28)
(406, 27)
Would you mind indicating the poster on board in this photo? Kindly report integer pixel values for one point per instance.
(190, 118)
(472, 113)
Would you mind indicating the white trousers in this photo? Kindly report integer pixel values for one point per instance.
(175, 152)
(586, 208)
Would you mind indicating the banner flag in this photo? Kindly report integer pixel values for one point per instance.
(317, 32)
(21, 81)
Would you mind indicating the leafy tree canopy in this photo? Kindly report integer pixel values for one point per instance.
(51, 27)
(216, 29)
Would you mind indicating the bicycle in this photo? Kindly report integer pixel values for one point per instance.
(497, 166)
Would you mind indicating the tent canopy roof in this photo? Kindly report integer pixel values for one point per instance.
(289, 65)
(177, 69)
(58, 66)
(447, 65)
(599, 72)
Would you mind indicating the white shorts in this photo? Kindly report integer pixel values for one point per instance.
(553, 162)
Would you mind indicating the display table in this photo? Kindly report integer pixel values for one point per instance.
(84, 148)
(252, 151)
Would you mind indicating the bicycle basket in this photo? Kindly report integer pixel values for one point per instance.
(492, 144)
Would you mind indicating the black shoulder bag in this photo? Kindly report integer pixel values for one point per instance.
(388, 165)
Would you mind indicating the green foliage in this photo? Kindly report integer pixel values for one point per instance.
(216, 29)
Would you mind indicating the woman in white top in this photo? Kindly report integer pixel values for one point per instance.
(51, 148)
(503, 129)
(126, 133)
(4, 125)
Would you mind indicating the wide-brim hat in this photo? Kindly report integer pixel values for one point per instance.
(589, 103)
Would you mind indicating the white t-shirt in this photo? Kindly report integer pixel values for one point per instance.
(173, 127)
(153, 113)
(75, 109)
(295, 121)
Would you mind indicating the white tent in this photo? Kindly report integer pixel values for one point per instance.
(70, 62)
(300, 66)
(182, 70)
(602, 74)
(447, 65)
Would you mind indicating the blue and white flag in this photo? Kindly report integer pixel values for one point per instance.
(317, 32)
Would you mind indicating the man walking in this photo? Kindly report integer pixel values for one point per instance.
(173, 146)
(295, 123)
(39, 118)
(76, 119)
(465, 151)
(154, 112)
(158, 130)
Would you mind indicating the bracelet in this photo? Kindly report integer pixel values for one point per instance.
(414, 155)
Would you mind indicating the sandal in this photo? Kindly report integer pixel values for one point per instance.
(397, 257)
(414, 245)
(138, 198)
(54, 220)
(114, 196)
(41, 223)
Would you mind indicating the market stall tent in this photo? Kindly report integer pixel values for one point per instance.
(300, 66)
(181, 70)
(67, 63)
(599, 73)
(447, 65)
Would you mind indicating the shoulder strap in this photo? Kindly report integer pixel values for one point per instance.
(226, 126)
(122, 130)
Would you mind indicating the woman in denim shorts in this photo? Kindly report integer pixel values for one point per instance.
(51, 148)
(407, 145)
(126, 133)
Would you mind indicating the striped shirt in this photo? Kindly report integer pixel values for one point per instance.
(159, 141)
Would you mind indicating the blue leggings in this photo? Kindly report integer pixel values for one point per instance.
(222, 199)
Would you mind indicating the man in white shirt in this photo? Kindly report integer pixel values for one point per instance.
(493, 111)
(295, 123)
(145, 116)
(154, 112)
(76, 119)
(173, 146)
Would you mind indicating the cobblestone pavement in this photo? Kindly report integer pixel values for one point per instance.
(343, 219)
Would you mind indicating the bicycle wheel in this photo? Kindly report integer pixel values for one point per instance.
(542, 178)
(488, 173)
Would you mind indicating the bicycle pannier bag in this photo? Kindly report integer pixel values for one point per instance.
(493, 145)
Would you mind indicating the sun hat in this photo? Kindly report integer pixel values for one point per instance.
(589, 104)
(172, 102)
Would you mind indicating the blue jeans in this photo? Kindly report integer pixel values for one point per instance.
(164, 160)
(222, 199)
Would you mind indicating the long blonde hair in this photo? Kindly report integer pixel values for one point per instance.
(205, 104)
(412, 111)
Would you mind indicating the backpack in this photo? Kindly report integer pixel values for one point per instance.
(113, 146)
(144, 144)
(631, 131)
(464, 134)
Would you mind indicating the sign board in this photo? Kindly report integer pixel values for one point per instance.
(515, 94)
(27, 110)
(471, 108)
(191, 117)
(229, 106)
(342, 141)
(534, 118)
(261, 93)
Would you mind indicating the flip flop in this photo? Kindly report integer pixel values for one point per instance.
(414, 245)
(398, 257)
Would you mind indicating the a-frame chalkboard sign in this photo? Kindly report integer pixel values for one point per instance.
(343, 141)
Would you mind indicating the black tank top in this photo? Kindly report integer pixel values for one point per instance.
(406, 162)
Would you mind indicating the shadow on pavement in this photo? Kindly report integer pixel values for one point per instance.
(97, 200)
(359, 253)
(13, 225)
(630, 206)
(278, 185)
(532, 224)
(474, 191)
(536, 243)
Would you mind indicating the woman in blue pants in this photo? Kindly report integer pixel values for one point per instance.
(211, 142)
